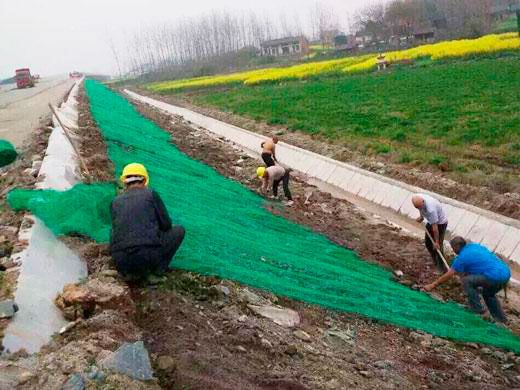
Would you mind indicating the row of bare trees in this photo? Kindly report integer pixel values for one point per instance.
(210, 37)
(215, 41)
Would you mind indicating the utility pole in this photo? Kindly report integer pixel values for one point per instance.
(518, 20)
(514, 5)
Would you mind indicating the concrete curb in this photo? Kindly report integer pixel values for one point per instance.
(46, 264)
(497, 232)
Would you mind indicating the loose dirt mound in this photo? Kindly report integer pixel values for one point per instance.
(92, 146)
(200, 339)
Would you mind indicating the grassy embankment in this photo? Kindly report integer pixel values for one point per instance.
(453, 111)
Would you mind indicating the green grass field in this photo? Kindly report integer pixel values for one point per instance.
(458, 114)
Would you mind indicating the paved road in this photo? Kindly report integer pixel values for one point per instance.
(21, 110)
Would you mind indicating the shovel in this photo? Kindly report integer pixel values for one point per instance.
(438, 251)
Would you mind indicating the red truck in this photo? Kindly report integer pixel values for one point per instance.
(23, 78)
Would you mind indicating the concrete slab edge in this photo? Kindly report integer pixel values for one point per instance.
(57, 172)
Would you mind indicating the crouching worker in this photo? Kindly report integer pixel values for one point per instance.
(273, 176)
(143, 240)
(483, 271)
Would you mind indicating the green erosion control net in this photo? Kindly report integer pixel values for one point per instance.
(7, 153)
(83, 210)
(231, 235)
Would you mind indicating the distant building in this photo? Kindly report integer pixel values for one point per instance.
(327, 37)
(424, 35)
(345, 43)
(340, 39)
(289, 46)
(363, 39)
(397, 41)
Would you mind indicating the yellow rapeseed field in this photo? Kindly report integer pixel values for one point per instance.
(304, 70)
(458, 48)
(257, 76)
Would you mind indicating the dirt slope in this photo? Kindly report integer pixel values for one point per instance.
(202, 333)
(220, 343)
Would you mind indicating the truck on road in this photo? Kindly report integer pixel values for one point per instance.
(23, 78)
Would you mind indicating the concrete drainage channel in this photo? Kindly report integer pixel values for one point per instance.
(500, 234)
(46, 264)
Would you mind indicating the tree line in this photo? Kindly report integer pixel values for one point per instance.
(214, 38)
(221, 41)
(449, 18)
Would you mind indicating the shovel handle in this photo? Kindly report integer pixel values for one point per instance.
(438, 251)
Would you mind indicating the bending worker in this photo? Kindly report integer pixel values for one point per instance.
(272, 176)
(143, 240)
(483, 270)
(437, 222)
(269, 151)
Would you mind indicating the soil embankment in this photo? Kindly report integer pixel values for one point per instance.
(203, 332)
(206, 350)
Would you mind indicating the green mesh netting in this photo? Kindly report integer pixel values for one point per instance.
(231, 235)
(7, 153)
(83, 210)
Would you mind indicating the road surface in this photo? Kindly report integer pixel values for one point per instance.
(21, 109)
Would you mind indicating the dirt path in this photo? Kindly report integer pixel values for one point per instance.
(21, 110)
(214, 340)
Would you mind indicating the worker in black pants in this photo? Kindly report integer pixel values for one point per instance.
(273, 176)
(431, 210)
(143, 240)
(269, 151)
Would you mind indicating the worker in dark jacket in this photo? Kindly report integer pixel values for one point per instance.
(143, 240)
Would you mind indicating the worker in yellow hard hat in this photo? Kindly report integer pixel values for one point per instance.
(135, 172)
(143, 240)
(272, 177)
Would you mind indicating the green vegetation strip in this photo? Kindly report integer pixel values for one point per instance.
(231, 235)
(426, 113)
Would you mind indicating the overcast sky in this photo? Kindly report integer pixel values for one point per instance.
(58, 36)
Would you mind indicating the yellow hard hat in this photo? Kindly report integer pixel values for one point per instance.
(135, 169)
(260, 171)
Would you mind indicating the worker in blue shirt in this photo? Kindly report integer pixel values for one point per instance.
(482, 269)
